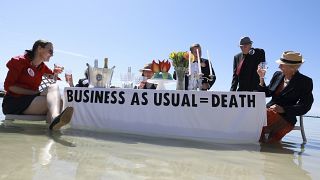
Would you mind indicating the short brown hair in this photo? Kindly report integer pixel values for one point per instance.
(194, 45)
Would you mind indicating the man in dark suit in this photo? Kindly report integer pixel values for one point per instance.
(291, 94)
(207, 80)
(84, 82)
(245, 77)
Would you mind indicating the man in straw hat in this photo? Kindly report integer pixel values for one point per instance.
(291, 94)
(146, 74)
(245, 63)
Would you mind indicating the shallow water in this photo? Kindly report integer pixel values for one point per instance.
(29, 151)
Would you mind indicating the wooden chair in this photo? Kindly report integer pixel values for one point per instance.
(46, 81)
(301, 128)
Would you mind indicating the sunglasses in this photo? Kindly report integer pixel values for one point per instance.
(51, 51)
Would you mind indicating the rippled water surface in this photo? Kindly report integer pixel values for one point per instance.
(29, 151)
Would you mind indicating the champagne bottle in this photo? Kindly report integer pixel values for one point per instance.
(105, 62)
(96, 63)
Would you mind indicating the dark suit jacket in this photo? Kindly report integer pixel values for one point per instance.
(150, 86)
(248, 79)
(296, 98)
(147, 86)
(83, 83)
(205, 71)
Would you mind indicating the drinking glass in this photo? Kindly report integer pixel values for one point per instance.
(263, 66)
(127, 80)
(68, 75)
(139, 81)
(58, 69)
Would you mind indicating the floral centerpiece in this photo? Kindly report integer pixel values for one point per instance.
(180, 62)
(161, 69)
(179, 59)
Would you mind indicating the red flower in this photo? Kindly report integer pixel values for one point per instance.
(162, 66)
(161, 63)
(165, 66)
(155, 67)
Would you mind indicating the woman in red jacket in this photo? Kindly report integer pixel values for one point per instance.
(22, 87)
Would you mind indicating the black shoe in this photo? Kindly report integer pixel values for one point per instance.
(61, 120)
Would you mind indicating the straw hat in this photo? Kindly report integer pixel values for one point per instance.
(147, 67)
(290, 58)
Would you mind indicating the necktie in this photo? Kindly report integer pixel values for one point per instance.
(240, 65)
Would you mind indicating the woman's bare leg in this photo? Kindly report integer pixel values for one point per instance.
(54, 100)
(54, 105)
(38, 106)
(48, 103)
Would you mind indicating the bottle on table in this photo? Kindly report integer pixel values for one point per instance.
(96, 63)
(106, 63)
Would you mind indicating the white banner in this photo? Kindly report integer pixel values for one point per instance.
(223, 117)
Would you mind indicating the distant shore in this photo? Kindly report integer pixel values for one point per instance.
(311, 116)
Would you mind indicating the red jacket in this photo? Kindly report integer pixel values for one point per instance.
(22, 74)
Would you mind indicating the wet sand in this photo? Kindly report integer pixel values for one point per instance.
(29, 151)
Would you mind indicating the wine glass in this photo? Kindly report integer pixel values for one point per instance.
(127, 79)
(68, 76)
(58, 69)
(263, 66)
(138, 80)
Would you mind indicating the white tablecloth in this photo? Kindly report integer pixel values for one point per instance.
(223, 117)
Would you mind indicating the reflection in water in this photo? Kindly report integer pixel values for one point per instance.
(30, 151)
(289, 160)
(44, 155)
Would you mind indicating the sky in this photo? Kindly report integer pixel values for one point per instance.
(132, 33)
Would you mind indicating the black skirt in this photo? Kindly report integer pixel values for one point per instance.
(16, 105)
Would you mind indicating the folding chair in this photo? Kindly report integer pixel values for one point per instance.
(301, 128)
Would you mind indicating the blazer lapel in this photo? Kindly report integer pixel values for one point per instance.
(277, 82)
(290, 85)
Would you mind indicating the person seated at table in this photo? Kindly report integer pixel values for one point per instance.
(193, 82)
(146, 74)
(84, 82)
(22, 86)
(291, 94)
